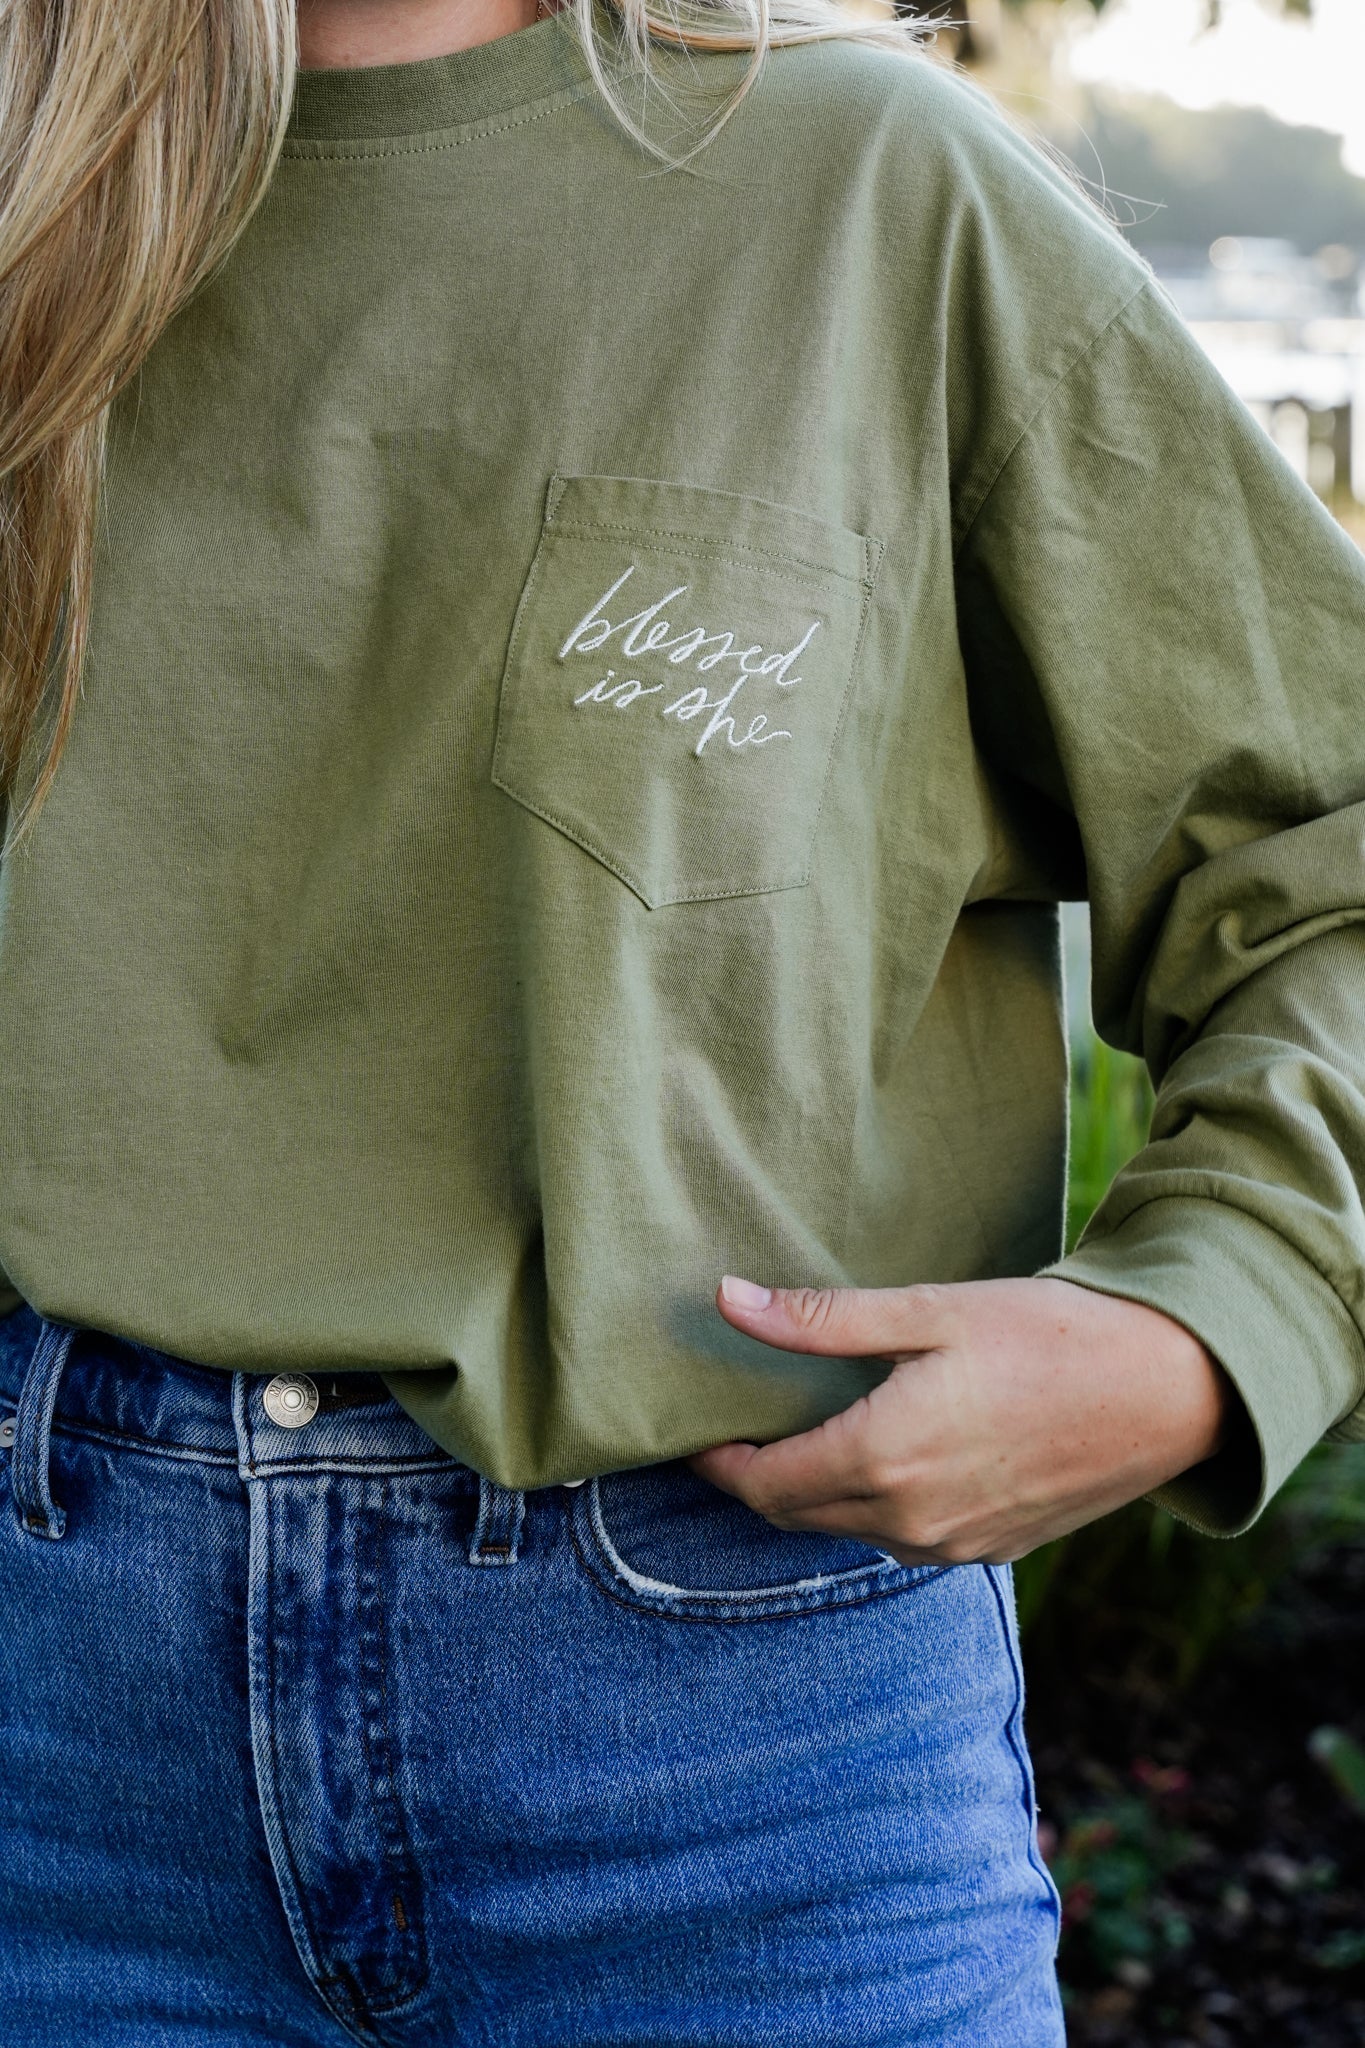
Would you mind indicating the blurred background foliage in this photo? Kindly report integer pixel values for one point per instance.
(973, 21)
(1184, 185)
(1204, 1806)
(1169, 1595)
(1195, 1706)
(1169, 173)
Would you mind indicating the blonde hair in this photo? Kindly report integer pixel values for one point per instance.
(723, 26)
(136, 139)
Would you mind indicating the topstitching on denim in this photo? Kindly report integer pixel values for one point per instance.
(822, 1593)
(1001, 1583)
(128, 1396)
(455, 1788)
(30, 1477)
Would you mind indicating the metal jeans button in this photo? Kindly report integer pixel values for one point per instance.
(291, 1399)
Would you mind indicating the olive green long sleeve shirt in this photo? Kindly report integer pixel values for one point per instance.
(600, 679)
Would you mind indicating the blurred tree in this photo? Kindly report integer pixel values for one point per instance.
(1176, 178)
(968, 19)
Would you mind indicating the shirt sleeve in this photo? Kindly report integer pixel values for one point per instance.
(1164, 638)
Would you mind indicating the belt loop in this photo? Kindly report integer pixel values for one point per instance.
(39, 1514)
(498, 1529)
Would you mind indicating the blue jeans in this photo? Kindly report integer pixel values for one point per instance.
(308, 1735)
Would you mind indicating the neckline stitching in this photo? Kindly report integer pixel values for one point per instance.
(430, 142)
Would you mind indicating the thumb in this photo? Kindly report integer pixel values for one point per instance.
(842, 1322)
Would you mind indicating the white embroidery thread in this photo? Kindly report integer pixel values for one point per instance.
(618, 695)
(644, 632)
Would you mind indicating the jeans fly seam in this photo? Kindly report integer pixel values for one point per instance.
(337, 1994)
(392, 1829)
(272, 1815)
(277, 1832)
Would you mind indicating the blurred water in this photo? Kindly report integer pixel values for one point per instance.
(1287, 332)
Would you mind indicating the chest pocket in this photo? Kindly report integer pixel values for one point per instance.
(676, 676)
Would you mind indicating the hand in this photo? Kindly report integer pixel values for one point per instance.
(1014, 1411)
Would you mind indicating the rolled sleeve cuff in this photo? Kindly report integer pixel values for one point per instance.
(1281, 1333)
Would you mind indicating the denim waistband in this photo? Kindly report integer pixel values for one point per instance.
(121, 1391)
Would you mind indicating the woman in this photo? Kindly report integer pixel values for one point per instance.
(613, 618)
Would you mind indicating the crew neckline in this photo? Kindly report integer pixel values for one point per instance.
(377, 100)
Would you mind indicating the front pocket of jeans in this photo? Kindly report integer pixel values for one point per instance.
(676, 676)
(663, 1540)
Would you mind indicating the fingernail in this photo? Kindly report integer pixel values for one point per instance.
(745, 1293)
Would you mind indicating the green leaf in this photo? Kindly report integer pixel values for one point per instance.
(1343, 1759)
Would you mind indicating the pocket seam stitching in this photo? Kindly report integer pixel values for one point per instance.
(575, 833)
(670, 1599)
(875, 550)
(578, 837)
(870, 546)
(638, 1582)
(724, 550)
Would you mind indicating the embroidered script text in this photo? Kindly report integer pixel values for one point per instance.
(648, 632)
